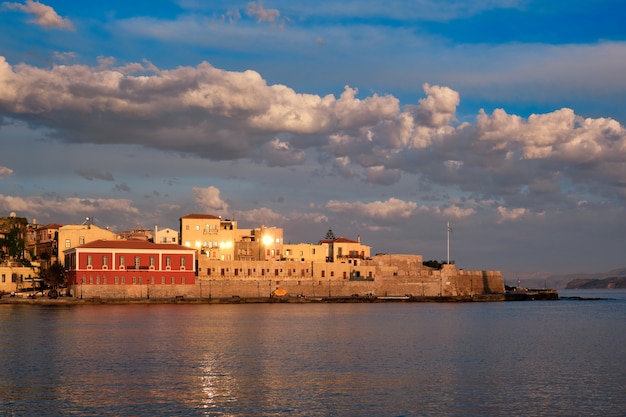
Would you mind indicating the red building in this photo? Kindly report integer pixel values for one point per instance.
(130, 262)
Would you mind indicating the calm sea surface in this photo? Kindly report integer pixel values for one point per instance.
(541, 358)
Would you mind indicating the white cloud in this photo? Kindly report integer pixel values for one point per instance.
(44, 15)
(439, 108)
(209, 200)
(280, 153)
(381, 175)
(262, 14)
(511, 214)
(260, 216)
(225, 115)
(392, 208)
(53, 206)
(5, 172)
(457, 212)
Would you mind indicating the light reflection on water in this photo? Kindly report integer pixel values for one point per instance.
(525, 358)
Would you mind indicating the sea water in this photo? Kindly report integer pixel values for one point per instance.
(535, 358)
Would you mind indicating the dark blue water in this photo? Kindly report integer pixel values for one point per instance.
(545, 358)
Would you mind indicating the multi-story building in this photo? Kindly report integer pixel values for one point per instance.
(106, 263)
(166, 235)
(74, 235)
(305, 252)
(15, 277)
(220, 239)
(342, 249)
(42, 242)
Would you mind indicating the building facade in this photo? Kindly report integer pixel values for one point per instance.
(166, 235)
(74, 235)
(99, 266)
(342, 249)
(221, 239)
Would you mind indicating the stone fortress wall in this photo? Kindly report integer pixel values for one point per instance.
(381, 276)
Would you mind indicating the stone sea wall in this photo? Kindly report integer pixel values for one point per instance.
(383, 275)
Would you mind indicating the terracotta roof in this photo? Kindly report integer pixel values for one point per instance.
(133, 244)
(51, 226)
(338, 240)
(201, 216)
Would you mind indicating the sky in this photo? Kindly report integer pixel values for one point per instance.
(379, 120)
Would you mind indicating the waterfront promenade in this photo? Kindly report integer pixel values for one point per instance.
(509, 296)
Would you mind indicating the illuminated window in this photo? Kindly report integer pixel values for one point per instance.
(68, 244)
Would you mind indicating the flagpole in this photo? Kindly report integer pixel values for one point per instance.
(448, 243)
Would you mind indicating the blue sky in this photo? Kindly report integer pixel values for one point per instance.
(379, 119)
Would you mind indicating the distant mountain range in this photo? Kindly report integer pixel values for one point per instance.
(615, 278)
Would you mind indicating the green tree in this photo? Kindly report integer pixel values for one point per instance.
(54, 276)
(13, 244)
(433, 264)
(330, 235)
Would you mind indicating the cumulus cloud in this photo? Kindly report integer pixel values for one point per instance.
(280, 153)
(262, 14)
(381, 175)
(5, 172)
(511, 214)
(44, 15)
(53, 206)
(222, 115)
(209, 200)
(259, 216)
(392, 208)
(439, 108)
(458, 212)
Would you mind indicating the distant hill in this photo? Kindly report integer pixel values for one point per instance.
(561, 281)
(594, 284)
